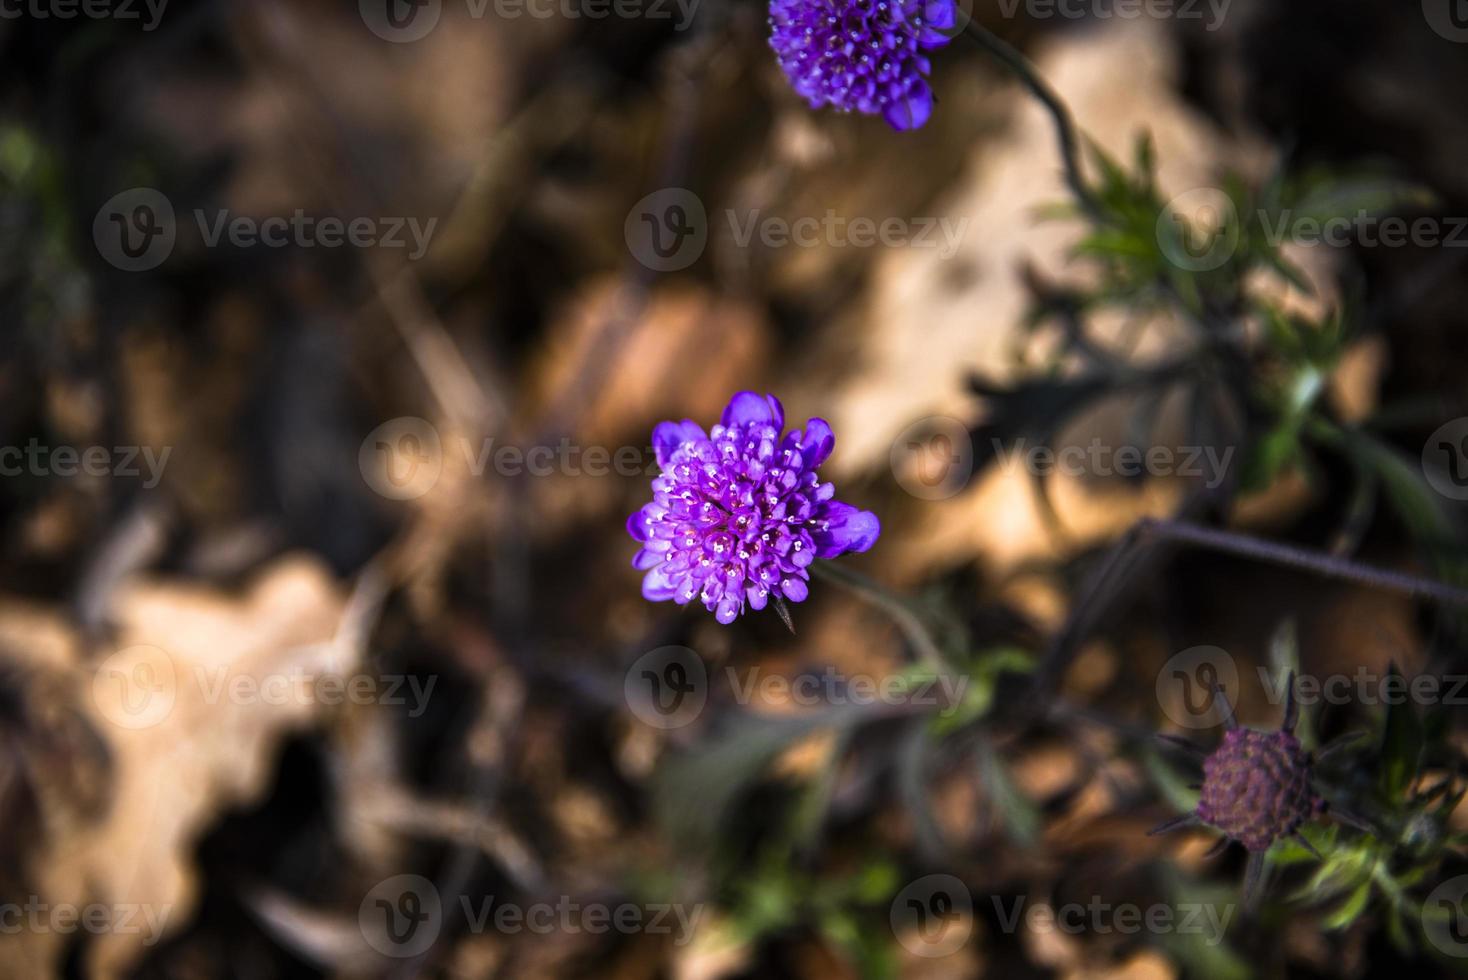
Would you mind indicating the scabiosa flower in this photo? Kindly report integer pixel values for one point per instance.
(866, 55)
(1258, 787)
(738, 514)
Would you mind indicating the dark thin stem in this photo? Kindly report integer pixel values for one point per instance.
(1128, 553)
(1065, 130)
(1319, 562)
(907, 621)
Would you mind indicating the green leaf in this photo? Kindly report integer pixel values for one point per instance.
(1349, 910)
(1019, 816)
(1401, 746)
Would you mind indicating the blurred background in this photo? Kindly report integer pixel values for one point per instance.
(332, 337)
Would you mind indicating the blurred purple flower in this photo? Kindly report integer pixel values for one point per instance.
(865, 55)
(738, 514)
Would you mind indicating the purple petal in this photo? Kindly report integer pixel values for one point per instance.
(728, 610)
(749, 407)
(846, 530)
(794, 588)
(668, 436)
(637, 526)
(817, 442)
(911, 112)
(645, 559)
(940, 18)
(657, 586)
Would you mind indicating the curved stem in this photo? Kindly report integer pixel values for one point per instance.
(907, 621)
(1065, 130)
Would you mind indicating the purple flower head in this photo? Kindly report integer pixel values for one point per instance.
(1257, 788)
(866, 55)
(738, 514)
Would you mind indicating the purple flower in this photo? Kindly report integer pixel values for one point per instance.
(1258, 787)
(739, 514)
(865, 55)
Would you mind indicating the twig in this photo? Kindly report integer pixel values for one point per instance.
(1065, 130)
(911, 626)
(1120, 561)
